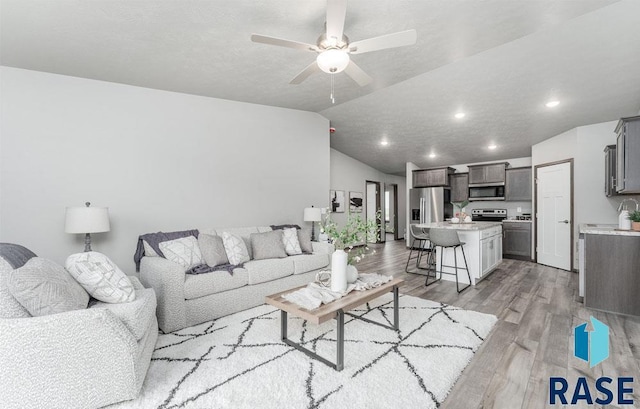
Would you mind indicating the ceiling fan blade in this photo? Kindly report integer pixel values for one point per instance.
(259, 38)
(398, 39)
(336, 12)
(304, 74)
(356, 73)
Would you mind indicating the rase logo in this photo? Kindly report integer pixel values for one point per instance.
(591, 346)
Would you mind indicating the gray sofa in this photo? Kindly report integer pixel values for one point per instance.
(185, 300)
(77, 359)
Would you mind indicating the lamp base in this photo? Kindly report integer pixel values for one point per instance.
(87, 242)
(313, 231)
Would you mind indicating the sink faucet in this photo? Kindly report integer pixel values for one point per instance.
(629, 199)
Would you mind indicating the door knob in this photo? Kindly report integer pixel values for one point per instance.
(564, 221)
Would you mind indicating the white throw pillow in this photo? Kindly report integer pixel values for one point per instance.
(100, 277)
(291, 242)
(235, 248)
(184, 251)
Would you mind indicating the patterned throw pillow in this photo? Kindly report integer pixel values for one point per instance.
(235, 248)
(100, 277)
(44, 287)
(268, 245)
(184, 251)
(212, 249)
(291, 242)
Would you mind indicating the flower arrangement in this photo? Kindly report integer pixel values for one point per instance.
(460, 205)
(357, 230)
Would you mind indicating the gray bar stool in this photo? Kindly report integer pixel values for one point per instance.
(448, 238)
(422, 237)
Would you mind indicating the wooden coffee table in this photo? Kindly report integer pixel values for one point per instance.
(336, 309)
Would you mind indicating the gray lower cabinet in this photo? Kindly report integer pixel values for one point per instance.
(459, 187)
(516, 240)
(518, 184)
(612, 279)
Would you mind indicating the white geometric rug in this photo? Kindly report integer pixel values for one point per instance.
(238, 361)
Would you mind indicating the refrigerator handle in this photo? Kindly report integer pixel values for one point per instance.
(422, 209)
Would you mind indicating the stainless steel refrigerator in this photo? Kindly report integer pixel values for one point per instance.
(430, 204)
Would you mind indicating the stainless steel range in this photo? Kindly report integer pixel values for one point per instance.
(488, 215)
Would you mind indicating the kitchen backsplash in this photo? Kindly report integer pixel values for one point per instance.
(512, 207)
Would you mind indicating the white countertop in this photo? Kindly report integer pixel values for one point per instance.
(610, 229)
(516, 221)
(460, 226)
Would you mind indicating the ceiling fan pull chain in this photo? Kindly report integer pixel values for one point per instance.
(333, 100)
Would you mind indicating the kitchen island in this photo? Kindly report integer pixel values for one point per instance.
(609, 268)
(482, 248)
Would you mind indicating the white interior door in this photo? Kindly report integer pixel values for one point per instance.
(553, 218)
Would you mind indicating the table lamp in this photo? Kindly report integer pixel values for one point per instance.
(87, 220)
(313, 215)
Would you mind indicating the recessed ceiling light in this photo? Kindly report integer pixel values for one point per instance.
(432, 155)
(460, 115)
(552, 104)
(384, 143)
(492, 146)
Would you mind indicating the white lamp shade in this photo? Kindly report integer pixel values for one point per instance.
(87, 220)
(312, 214)
(333, 61)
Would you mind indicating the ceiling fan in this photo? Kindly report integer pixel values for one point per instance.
(333, 47)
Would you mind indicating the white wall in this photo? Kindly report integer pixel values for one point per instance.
(410, 167)
(159, 160)
(349, 174)
(585, 145)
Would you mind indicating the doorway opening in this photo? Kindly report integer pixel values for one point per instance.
(554, 214)
(391, 211)
(374, 205)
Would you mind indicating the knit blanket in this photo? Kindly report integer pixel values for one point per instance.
(316, 294)
(15, 255)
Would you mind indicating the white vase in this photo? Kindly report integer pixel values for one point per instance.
(323, 238)
(352, 274)
(339, 271)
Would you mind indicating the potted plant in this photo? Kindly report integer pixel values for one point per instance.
(351, 244)
(635, 220)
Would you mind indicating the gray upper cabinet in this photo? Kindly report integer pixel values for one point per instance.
(493, 173)
(459, 187)
(610, 161)
(432, 177)
(628, 155)
(518, 184)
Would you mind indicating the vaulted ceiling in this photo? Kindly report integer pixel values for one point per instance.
(498, 61)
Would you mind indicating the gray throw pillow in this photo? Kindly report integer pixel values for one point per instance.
(268, 245)
(304, 237)
(212, 249)
(44, 287)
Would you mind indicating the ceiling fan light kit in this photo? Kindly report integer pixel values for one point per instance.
(333, 61)
(333, 47)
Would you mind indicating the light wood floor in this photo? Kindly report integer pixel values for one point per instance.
(537, 307)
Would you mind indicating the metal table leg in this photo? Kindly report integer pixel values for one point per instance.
(340, 340)
(283, 325)
(396, 313)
